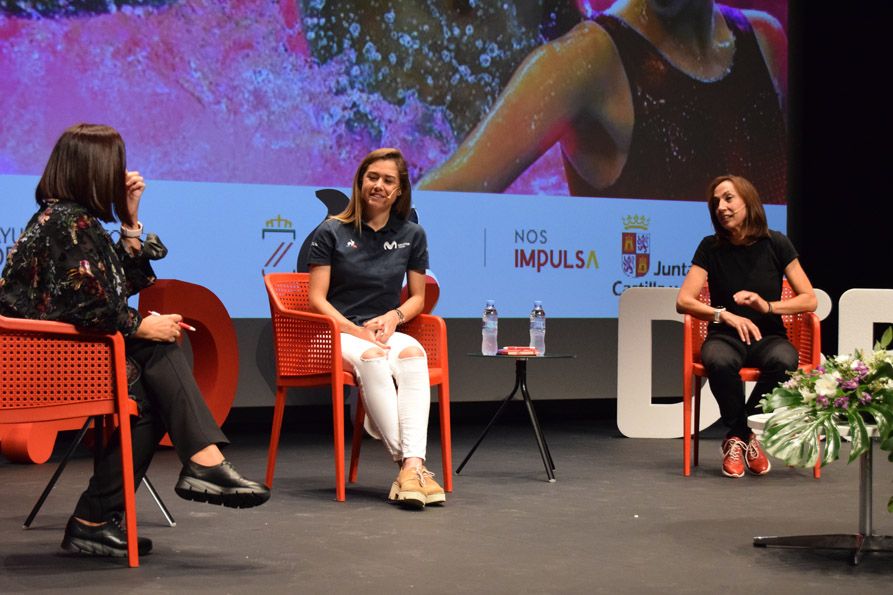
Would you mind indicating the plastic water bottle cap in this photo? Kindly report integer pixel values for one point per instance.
(491, 302)
(537, 303)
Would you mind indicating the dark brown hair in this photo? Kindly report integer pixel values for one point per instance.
(754, 226)
(401, 207)
(87, 166)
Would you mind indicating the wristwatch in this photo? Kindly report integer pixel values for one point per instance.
(717, 312)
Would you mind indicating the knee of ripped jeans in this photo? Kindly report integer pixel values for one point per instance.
(373, 354)
(411, 351)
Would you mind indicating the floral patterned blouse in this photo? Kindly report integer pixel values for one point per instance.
(65, 267)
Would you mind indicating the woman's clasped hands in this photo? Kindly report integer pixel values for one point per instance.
(381, 328)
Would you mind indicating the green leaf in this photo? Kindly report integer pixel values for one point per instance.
(882, 370)
(886, 339)
(858, 435)
(890, 505)
(781, 397)
(832, 440)
(792, 436)
(883, 418)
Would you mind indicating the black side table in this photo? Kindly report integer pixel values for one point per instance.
(520, 383)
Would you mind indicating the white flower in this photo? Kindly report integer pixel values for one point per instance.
(843, 358)
(856, 363)
(826, 385)
(808, 395)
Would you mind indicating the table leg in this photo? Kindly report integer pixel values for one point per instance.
(857, 543)
(537, 429)
(492, 420)
(865, 467)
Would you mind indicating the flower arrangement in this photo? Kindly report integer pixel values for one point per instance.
(846, 390)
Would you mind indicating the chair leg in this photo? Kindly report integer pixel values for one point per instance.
(697, 426)
(278, 414)
(338, 431)
(157, 497)
(817, 470)
(129, 489)
(357, 439)
(58, 473)
(446, 446)
(686, 424)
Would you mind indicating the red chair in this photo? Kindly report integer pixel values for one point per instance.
(308, 353)
(803, 333)
(53, 371)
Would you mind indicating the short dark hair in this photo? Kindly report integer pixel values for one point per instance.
(755, 225)
(401, 207)
(88, 166)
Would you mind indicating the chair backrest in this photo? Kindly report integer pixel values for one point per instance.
(304, 342)
(292, 289)
(52, 370)
(805, 340)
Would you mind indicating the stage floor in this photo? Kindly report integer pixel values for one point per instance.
(620, 519)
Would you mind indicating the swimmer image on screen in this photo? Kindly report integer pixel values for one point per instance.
(649, 99)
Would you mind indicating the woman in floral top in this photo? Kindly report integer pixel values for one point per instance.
(65, 267)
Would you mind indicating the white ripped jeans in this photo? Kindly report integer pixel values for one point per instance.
(396, 415)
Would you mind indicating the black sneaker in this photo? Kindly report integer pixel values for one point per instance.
(107, 539)
(220, 484)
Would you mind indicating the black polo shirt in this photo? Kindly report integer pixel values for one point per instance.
(368, 267)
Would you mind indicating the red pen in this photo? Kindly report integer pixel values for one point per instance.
(183, 325)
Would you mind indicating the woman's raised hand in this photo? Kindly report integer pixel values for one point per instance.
(135, 185)
(751, 300)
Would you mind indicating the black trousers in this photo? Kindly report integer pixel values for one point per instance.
(724, 355)
(169, 402)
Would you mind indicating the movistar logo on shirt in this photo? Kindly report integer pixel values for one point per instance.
(351, 244)
(395, 245)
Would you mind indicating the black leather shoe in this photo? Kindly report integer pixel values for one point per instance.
(220, 484)
(107, 539)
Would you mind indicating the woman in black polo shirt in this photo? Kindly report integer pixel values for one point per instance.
(358, 259)
(744, 262)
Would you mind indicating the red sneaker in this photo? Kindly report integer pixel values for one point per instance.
(757, 461)
(733, 457)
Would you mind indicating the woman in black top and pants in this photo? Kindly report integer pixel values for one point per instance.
(744, 263)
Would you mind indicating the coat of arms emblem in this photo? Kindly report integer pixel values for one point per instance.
(635, 254)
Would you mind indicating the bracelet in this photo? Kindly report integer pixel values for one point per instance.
(132, 233)
(400, 315)
(768, 303)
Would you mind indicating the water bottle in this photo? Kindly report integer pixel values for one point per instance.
(538, 328)
(489, 326)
